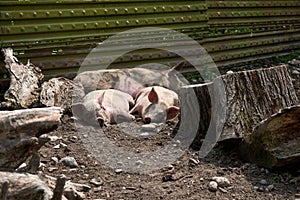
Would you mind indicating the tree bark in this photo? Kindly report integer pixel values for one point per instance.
(251, 96)
(25, 81)
(20, 132)
(24, 186)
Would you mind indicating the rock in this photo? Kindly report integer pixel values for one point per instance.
(213, 186)
(69, 162)
(295, 72)
(263, 182)
(148, 127)
(55, 159)
(274, 143)
(192, 160)
(118, 171)
(96, 183)
(60, 92)
(222, 181)
(270, 188)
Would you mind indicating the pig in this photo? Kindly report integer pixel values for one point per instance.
(156, 104)
(130, 80)
(105, 107)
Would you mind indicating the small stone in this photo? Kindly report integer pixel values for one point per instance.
(63, 144)
(53, 138)
(145, 134)
(229, 72)
(118, 171)
(194, 161)
(148, 127)
(295, 72)
(222, 181)
(55, 159)
(255, 188)
(69, 162)
(56, 146)
(96, 183)
(213, 186)
(201, 179)
(270, 188)
(260, 189)
(22, 166)
(263, 182)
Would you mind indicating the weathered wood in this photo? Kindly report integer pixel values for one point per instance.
(275, 142)
(24, 186)
(20, 132)
(295, 74)
(252, 96)
(25, 81)
(60, 92)
(59, 188)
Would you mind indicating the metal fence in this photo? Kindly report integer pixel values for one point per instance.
(57, 35)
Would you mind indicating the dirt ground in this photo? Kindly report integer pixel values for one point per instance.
(185, 178)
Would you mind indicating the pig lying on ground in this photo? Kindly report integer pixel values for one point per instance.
(105, 106)
(156, 104)
(130, 80)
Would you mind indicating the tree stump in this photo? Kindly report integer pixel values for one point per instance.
(25, 81)
(20, 132)
(252, 96)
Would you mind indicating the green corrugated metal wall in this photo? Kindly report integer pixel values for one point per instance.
(57, 35)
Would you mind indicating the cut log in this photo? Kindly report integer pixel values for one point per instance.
(25, 81)
(60, 92)
(21, 131)
(275, 142)
(24, 186)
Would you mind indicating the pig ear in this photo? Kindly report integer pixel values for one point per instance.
(172, 112)
(152, 96)
(78, 108)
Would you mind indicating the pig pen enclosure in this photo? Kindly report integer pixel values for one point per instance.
(256, 42)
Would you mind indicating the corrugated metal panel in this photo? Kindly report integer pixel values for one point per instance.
(57, 35)
(246, 30)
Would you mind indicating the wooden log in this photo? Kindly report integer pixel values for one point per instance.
(21, 131)
(24, 186)
(275, 141)
(25, 81)
(60, 92)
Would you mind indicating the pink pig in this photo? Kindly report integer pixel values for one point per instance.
(105, 106)
(156, 104)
